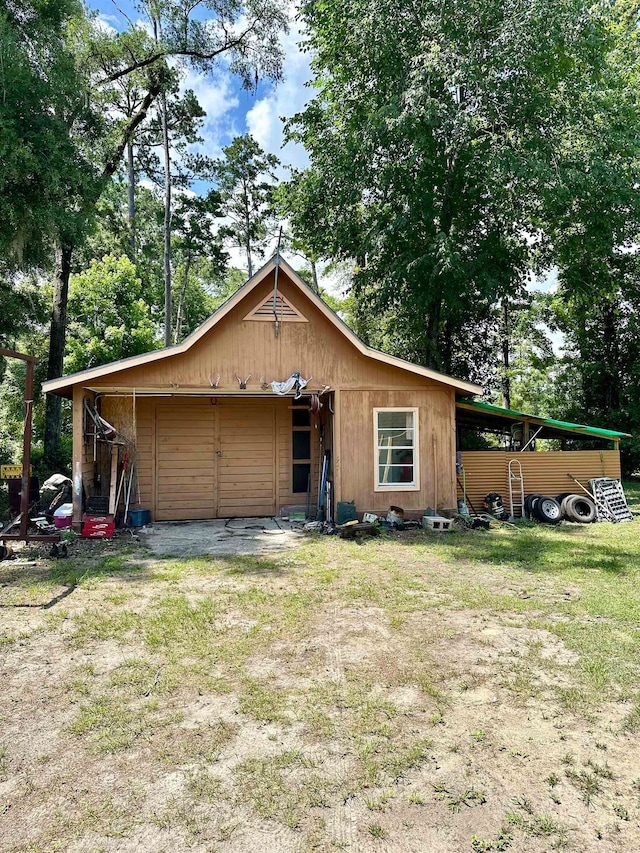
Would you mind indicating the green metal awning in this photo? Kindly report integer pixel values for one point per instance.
(478, 413)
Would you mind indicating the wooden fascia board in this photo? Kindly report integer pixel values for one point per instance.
(63, 384)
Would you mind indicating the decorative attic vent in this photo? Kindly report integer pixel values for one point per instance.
(284, 309)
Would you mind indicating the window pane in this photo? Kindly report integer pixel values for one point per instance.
(302, 445)
(395, 429)
(388, 474)
(301, 478)
(301, 417)
(395, 457)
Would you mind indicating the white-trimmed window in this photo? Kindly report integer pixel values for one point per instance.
(395, 435)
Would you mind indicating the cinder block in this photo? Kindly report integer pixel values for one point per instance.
(436, 522)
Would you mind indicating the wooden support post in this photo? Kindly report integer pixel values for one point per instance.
(78, 452)
(336, 452)
(26, 450)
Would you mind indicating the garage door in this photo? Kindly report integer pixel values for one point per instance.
(185, 461)
(247, 464)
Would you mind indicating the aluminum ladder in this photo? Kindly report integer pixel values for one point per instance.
(516, 488)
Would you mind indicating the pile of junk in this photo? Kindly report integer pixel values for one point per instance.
(348, 526)
(605, 501)
(50, 511)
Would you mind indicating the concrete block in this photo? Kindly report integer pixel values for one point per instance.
(436, 522)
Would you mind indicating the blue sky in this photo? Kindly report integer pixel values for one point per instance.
(232, 111)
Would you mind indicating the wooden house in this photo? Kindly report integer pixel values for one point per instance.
(210, 438)
(210, 434)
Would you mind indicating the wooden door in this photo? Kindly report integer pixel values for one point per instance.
(186, 461)
(247, 463)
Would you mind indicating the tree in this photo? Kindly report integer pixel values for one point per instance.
(245, 178)
(435, 135)
(42, 166)
(205, 33)
(174, 128)
(196, 239)
(108, 316)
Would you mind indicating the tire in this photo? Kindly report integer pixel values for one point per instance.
(547, 510)
(565, 503)
(560, 498)
(581, 509)
(529, 503)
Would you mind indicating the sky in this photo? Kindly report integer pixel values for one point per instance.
(232, 111)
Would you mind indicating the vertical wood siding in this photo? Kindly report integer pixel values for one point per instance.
(243, 347)
(436, 449)
(250, 434)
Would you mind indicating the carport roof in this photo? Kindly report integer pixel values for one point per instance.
(478, 413)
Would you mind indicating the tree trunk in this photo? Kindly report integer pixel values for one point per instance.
(314, 276)
(247, 226)
(167, 224)
(57, 340)
(131, 211)
(506, 355)
(432, 346)
(612, 355)
(183, 292)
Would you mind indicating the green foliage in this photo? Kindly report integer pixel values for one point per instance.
(108, 318)
(437, 141)
(44, 170)
(198, 248)
(245, 179)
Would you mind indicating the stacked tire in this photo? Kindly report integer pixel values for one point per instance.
(579, 509)
(543, 509)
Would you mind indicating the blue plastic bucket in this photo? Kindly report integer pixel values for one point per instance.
(139, 517)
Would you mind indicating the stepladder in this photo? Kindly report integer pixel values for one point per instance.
(516, 488)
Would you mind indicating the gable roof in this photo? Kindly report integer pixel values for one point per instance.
(66, 382)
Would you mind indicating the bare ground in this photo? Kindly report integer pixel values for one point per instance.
(338, 697)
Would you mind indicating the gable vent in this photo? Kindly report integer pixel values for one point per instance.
(285, 311)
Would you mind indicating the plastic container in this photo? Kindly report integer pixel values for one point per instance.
(63, 516)
(139, 517)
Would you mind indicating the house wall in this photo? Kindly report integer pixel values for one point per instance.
(543, 472)
(436, 449)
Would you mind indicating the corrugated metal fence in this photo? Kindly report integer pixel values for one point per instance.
(543, 473)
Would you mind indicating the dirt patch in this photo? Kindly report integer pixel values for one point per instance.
(323, 703)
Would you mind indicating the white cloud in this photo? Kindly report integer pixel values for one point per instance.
(284, 100)
(546, 283)
(216, 94)
(105, 23)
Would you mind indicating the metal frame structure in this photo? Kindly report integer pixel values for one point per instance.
(23, 535)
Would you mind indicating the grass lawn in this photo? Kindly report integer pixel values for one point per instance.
(422, 692)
